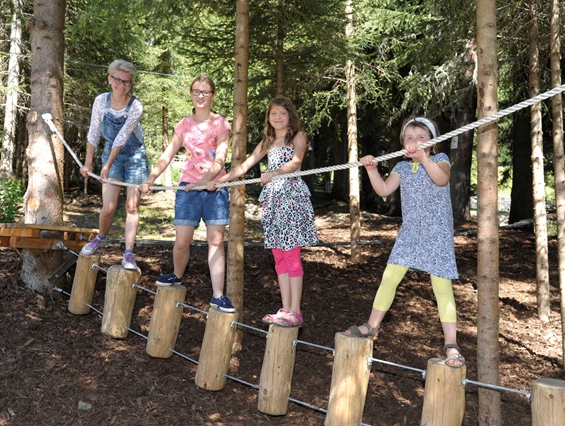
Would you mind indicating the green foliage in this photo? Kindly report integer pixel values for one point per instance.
(11, 199)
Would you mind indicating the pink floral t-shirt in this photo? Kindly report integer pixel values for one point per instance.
(200, 141)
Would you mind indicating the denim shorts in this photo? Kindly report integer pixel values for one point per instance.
(130, 166)
(213, 207)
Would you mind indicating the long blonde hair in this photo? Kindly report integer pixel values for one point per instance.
(294, 123)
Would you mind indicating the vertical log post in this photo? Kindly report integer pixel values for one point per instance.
(216, 350)
(276, 373)
(350, 378)
(548, 402)
(83, 284)
(119, 301)
(444, 395)
(165, 321)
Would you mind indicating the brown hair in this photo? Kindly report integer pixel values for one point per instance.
(294, 123)
(414, 122)
(204, 78)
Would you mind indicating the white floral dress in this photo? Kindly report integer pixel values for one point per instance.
(288, 215)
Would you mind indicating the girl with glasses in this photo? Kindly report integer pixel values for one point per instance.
(205, 137)
(115, 118)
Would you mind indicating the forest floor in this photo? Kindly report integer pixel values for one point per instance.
(59, 369)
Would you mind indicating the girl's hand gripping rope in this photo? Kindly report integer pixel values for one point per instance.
(368, 162)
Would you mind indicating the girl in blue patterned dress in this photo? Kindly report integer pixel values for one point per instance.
(288, 216)
(425, 239)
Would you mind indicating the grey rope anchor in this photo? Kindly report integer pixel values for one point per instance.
(485, 120)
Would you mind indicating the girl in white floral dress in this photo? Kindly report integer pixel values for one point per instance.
(425, 240)
(288, 216)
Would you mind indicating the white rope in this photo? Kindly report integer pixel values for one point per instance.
(510, 110)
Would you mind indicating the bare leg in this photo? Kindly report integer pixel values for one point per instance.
(295, 293)
(450, 337)
(110, 195)
(181, 250)
(284, 285)
(132, 217)
(216, 258)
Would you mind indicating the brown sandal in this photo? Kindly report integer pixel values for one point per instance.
(371, 333)
(454, 357)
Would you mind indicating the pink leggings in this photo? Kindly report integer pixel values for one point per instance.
(288, 262)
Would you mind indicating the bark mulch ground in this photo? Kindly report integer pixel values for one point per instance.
(58, 369)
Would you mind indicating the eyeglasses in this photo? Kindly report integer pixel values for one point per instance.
(119, 81)
(205, 93)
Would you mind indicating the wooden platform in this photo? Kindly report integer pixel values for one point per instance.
(43, 237)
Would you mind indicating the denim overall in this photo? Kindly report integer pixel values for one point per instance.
(131, 163)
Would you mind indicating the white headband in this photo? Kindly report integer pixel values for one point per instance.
(425, 122)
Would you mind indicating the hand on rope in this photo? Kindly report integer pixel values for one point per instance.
(485, 120)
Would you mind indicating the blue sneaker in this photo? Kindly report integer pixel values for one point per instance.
(222, 303)
(168, 279)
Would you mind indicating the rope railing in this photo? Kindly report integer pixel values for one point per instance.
(47, 117)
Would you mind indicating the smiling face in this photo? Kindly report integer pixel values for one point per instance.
(278, 118)
(121, 82)
(205, 95)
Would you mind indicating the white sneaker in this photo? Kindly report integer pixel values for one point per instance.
(128, 261)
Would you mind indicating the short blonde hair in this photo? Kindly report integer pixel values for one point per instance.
(122, 65)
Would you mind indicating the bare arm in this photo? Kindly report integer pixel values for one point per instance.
(438, 172)
(294, 164)
(240, 169)
(382, 187)
(162, 163)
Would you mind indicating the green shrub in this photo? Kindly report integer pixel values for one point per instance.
(11, 200)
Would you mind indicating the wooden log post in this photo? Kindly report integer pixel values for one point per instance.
(276, 373)
(216, 350)
(444, 395)
(548, 402)
(83, 284)
(165, 321)
(119, 301)
(350, 378)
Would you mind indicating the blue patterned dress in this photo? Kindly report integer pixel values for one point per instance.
(425, 239)
(288, 215)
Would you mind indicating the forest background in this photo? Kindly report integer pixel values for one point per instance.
(411, 57)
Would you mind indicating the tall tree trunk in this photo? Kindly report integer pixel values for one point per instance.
(340, 183)
(239, 148)
(538, 176)
(521, 204)
(558, 155)
(12, 83)
(393, 202)
(280, 48)
(43, 200)
(168, 180)
(354, 214)
(461, 154)
(488, 310)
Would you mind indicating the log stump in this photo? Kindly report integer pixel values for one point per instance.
(216, 350)
(548, 402)
(276, 372)
(119, 301)
(444, 395)
(165, 321)
(83, 284)
(350, 378)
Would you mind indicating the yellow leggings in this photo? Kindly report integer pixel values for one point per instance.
(442, 287)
